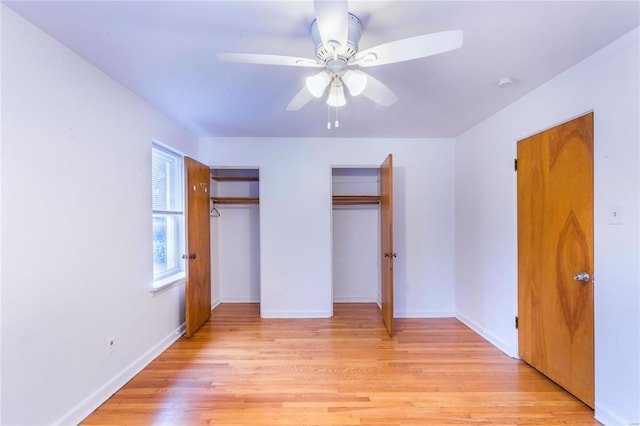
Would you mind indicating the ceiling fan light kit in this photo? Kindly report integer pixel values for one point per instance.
(336, 57)
(336, 94)
(356, 81)
(317, 83)
(335, 34)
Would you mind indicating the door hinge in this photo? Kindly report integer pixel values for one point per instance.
(515, 164)
(516, 323)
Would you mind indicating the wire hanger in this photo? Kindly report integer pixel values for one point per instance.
(213, 212)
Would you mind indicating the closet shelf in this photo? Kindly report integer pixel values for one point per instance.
(338, 200)
(235, 200)
(236, 178)
(343, 200)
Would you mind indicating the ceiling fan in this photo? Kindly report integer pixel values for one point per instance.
(336, 33)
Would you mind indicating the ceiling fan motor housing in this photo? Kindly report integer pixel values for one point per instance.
(325, 53)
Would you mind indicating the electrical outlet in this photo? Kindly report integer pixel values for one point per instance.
(111, 345)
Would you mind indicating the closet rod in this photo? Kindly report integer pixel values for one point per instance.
(236, 178)
(343, 200)
(235, 200)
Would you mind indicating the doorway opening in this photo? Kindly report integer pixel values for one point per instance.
(235, 235)
(353, 257)
(356, 235)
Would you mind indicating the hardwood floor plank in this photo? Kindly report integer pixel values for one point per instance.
(240, 369)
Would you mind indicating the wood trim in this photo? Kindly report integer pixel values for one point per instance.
(236, 178)
(337, 200)
(340, 200)
(236, 200)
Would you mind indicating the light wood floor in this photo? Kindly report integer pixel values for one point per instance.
(243, 370)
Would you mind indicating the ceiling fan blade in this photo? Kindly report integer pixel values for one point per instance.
(410, 48)
(302, 98)
(378, 92)
(259, 58)
(332, 19)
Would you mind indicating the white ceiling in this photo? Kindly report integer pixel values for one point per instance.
(166, 52)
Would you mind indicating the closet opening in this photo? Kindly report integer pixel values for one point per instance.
(356, 235)
(235, 235)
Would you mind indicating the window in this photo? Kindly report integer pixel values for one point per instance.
(168, 216)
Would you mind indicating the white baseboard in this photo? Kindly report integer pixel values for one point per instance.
(487, 335)
(423, 314)
(240, 300)
(97, 398)
(215, 303)
(295, 314)
(354, 299)
(609, 418)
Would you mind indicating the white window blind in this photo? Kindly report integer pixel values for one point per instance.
(168, 214)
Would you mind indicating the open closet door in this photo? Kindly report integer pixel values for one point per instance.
(386, 238)
(198, 268)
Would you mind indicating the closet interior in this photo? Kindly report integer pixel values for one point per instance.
(356, 234)
(235, 235)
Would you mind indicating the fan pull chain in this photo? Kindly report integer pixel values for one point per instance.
(336, 124)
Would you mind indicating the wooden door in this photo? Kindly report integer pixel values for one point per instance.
(555, 242)
(386, 238)
(198, 286)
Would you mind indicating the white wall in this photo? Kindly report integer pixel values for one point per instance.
(356, 253)
(236, 249)
(296, 214)
(76, 231)
(608, 84)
